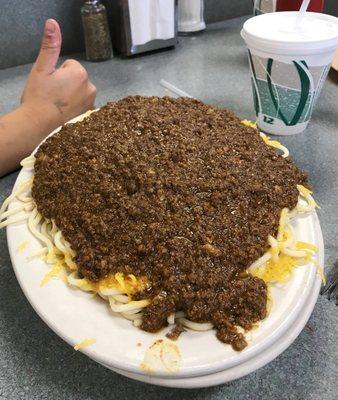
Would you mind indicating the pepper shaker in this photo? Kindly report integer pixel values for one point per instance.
(96, 31)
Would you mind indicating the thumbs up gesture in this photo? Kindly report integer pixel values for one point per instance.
(52, 95)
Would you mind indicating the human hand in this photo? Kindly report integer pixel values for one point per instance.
(54, 96)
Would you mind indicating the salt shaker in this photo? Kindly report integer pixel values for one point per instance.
(190, 16)
(96, 31)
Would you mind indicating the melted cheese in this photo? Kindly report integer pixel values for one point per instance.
(128, 284)
(284, 258)
(84, 343)
(22, 246)
(56, 271)
(306, 193)
(279, 271)
(273, 143)
(251, 124)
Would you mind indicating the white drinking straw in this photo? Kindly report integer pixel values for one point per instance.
(301, 12)
(174, 89)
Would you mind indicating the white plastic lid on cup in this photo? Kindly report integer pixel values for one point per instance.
(276, 33)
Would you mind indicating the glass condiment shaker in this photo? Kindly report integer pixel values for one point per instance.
(190, 16)
(96, 31)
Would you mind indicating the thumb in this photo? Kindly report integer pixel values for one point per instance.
(50, 47)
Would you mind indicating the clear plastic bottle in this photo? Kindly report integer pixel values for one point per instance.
(96, 31)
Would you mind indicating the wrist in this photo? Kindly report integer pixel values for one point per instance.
(44, 117)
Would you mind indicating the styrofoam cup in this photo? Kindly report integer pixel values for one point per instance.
(289, 66)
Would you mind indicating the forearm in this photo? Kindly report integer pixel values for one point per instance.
(20, 132)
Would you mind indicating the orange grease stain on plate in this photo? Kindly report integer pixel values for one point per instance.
(162, 356)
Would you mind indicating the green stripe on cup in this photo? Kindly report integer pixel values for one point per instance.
(304, 93)
(271, 90)
(254, 84)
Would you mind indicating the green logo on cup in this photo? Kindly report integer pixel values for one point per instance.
(284, 93)
(268, 120)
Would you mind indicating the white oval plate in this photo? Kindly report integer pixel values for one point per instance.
(75, 315)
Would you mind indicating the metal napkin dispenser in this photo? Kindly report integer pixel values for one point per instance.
(138, 26)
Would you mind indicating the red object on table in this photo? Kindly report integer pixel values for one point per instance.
(294, 5)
